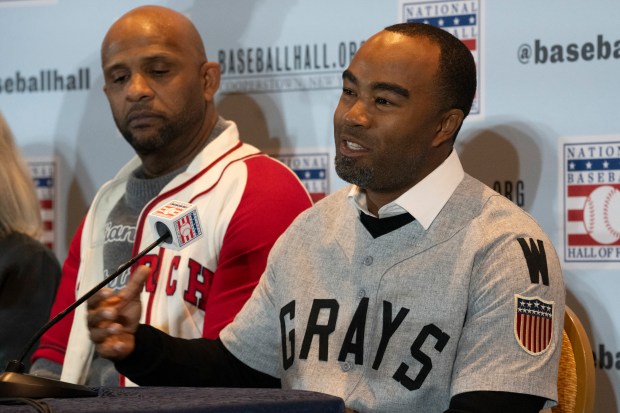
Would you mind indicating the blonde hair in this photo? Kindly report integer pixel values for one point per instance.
(19, 205)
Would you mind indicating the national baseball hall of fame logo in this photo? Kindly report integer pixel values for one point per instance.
(460, 18)
(43, 172)
(311, 169)
(591, 184)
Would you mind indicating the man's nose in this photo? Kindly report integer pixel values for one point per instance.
(357, 114)
(138, 88)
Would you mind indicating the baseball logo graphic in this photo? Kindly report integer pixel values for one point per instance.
(168, 211)
(186, 230)
(601, 214)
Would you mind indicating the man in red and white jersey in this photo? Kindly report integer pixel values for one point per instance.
(161, 90)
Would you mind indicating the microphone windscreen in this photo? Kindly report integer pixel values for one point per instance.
(180, 220)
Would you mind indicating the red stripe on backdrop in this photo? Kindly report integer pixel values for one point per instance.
(577, 240)
(580, 239)
(46, 204)
(575, 215)
(470, 43)
(585, 190)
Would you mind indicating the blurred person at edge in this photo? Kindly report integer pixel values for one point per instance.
(161, 90)
(29, 271)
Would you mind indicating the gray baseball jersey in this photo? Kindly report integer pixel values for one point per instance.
(403, 322)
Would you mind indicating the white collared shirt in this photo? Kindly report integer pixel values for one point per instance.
(425, 199)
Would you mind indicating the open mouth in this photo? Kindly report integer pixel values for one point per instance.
(352, 148)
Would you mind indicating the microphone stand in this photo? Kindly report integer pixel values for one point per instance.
(14, 383)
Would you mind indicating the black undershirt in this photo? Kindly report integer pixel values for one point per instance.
(381, 226)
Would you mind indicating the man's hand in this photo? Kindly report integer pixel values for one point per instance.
(113, 318)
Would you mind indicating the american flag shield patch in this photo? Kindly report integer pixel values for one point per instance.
(187, 228)
(533, 323)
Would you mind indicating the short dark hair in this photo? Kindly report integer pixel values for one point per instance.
(456, 73)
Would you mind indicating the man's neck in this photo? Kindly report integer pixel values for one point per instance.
(376, 200)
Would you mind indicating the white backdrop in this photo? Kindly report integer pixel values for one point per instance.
(546, 131)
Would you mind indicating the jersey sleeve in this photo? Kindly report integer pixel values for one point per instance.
(511, 339)
(53, 343)
(271, 200)
(256, 337)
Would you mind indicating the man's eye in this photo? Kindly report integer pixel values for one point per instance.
(161, 72)
(348, 92)
(382, 101)
(119, 79)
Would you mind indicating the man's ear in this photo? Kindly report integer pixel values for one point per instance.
(450, 123)
(210, 72)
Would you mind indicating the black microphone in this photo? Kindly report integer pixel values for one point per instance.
(176, 224)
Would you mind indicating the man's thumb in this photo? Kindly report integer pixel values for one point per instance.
(136, 282)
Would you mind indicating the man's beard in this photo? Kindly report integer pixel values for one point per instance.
(172, 128)
(347, 170)
(144, 146)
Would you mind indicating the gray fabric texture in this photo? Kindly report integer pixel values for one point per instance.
(405, 321)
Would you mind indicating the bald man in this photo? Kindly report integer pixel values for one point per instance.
(161, 90)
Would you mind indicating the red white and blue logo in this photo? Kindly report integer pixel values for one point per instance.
(460, 18)
(187, 228)
(43, 172)
(533, 323)
(311, 169)
(591, 177)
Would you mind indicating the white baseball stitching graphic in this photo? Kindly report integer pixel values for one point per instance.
(601, 215)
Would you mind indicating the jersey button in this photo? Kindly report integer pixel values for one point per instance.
(361, 293)
(346, 366)
(368, 260)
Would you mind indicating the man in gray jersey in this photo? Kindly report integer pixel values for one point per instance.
(416, 289)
